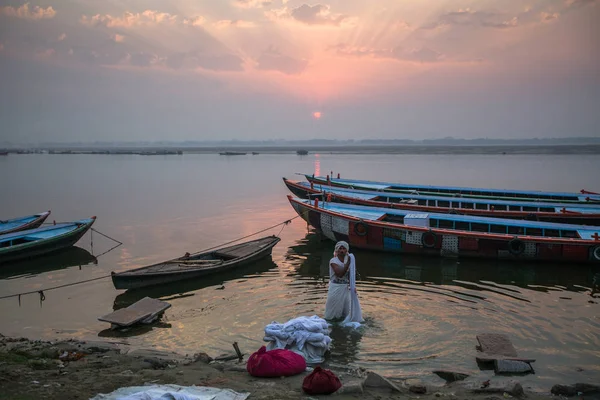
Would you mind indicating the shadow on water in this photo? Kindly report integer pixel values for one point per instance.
(186, 288)
(135, 330)
(70, 257)
(311, 255)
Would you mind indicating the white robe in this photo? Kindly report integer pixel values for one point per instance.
(342, 299)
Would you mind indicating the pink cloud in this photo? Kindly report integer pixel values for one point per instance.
(227, 23)
(27, 12)
(129, 19)
(318, 14)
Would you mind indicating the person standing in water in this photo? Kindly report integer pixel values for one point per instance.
(342, 299)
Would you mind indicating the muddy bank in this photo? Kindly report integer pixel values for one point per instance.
(69, 370)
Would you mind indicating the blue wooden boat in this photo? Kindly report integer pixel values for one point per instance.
(36, 242)
(450, 235)
(584, 214)
(197, 265)
(584, 197)
(22, 223)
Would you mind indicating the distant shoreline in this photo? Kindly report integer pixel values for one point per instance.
(315, 149)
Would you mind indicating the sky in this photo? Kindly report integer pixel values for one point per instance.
(149, 70)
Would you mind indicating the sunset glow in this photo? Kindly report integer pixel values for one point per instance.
(269, 63)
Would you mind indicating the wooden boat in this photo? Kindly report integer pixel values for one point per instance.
(36, 242)
(22, 223)
(584, 197)
(585, 214)
(194, 266)
(450, 235)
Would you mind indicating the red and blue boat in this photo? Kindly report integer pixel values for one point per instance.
(584, 197)
(584, 214)
(450, 235)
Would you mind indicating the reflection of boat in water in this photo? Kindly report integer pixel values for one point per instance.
(183, 288)
(69, 257)
(311, 254)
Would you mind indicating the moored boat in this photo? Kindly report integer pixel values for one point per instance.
(22, 223)
(585, 214)
(194, 266)
(450, 235)
(584, 196)
(36, 242)
(232, 153)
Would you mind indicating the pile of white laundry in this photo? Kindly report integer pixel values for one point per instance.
(307, 336)
(172, 392)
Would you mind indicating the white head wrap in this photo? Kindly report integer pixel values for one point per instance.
(339, 244)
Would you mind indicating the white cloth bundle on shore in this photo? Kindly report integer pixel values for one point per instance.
(171, 392)
(307, 336)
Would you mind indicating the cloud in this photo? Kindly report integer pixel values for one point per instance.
(46, 53)
(319, 14)
(194, 21)
(272, 60)
(549, 17)
(421, 54)
(227, 23)
(26, 12)
(467, 17)
(579, 3)
(129, 19)
(197, 59)
(253, 3)
(118, 38)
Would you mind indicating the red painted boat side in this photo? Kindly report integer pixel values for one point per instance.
(390, 237)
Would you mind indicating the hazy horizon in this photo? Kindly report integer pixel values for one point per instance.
(182, 70)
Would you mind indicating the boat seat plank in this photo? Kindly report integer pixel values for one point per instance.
(496, 343)
(145, 309)
(240, 251)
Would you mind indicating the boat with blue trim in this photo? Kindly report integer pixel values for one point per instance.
(449, 235)
(584, 196)
(584, 214)
(22, 223)
(36, 242)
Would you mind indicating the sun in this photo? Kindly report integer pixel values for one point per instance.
(317, 115)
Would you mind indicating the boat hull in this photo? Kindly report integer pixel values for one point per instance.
(128, 282)
(36, 223)
(44, 246)
(567, 217)
(571, 198)
(398, 238)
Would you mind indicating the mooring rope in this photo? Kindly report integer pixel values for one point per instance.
(284, 223)
(43, 297)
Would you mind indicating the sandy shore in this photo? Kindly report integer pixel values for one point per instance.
(69, 370)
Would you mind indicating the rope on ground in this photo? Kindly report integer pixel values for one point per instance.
(43, 297)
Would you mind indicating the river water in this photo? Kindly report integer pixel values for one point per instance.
(422, 313)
